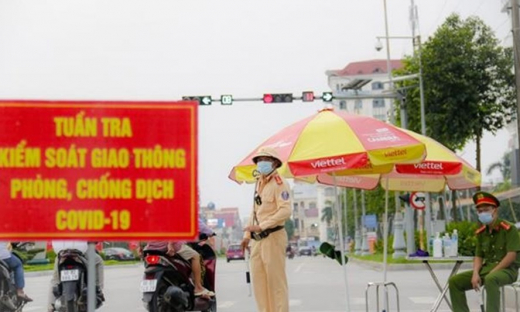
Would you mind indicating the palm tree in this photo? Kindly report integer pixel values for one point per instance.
(327, 213)
(327, 216)
(505, 170)
(504, 166)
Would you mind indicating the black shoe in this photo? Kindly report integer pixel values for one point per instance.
(24, 298)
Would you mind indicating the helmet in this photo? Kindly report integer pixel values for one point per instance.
(268, 151)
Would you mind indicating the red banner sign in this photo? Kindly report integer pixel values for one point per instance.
(98, 170)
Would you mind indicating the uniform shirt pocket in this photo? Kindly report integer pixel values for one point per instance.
(268, 197)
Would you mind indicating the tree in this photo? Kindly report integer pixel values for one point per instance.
(327, 213)
(468, 84)
(504, 166)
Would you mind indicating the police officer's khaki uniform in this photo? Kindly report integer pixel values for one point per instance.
(268, 254)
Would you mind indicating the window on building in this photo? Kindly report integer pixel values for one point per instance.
(312, 205)
(378, 103)
(358, 105)
(343, 105)
(377, 85)
(329, 191)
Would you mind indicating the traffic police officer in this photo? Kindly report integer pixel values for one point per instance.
(266, 226)
(497, 257)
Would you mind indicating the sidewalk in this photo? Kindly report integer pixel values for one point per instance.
(106, 267)
(378, 266)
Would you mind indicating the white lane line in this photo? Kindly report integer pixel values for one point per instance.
(423, 300)
(32, 308)
(294, 302)
(225, 304)
(357, 300)
(298, 268)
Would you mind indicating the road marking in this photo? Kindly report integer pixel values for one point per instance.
(423, 300)
(294, 302)
(225, 304)
(298, 268)
(357, 300)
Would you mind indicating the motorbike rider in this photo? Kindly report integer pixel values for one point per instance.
(16, 265)
(83, 247)
(289, 250)
(188, 254)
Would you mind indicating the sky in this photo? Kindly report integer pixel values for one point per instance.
(163, 50)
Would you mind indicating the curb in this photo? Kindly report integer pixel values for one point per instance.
(378, 266)
(106, 267)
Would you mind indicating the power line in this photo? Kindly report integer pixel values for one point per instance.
(478, 7)
(507, 19)
(438, 17)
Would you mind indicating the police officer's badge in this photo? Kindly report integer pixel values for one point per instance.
(285, 195)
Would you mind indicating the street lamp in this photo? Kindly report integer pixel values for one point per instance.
(416, 42)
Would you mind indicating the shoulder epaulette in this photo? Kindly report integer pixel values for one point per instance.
(480, 230)
(505, 225)
(278, 180)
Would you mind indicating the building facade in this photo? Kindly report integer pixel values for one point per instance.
(374, 75)
(310, 202)
(225, 222)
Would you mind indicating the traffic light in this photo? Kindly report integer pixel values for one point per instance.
(278, 98)
(327, 97)
(308, 96)
(202, 100)
(226, 99)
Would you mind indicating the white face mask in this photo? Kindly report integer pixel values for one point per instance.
(264, 167)
(485, 217)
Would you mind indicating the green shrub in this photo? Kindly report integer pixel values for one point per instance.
(51, 255)
(417, 236)
(379, 245)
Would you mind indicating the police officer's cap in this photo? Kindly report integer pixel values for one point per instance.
(481, 198)
(267, 151)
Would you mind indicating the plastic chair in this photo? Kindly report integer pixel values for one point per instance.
(502, 300)
(516, 290)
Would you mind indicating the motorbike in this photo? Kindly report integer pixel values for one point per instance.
(71, 291)
(9, 301)
(167, 286)
(289, 253)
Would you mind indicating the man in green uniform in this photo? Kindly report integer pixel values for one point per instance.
(497, 257)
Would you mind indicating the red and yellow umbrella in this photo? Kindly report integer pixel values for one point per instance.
(334, 141)
(440, 168)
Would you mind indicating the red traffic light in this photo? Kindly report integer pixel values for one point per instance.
(308, 96)
(268, 98)
(278, 98)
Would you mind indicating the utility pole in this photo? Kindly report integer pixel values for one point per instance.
(516, 46)
(414, 20)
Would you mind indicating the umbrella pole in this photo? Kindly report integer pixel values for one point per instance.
(385, 245)
(341, 241)
(385, 232)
